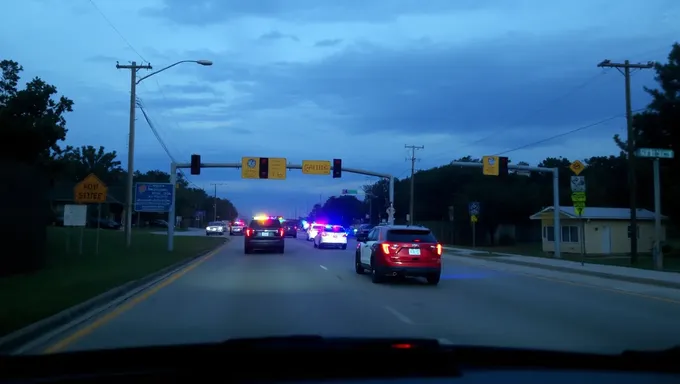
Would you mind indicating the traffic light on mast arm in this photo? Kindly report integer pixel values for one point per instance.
(337, 168)
(195, 164)
(264, 167)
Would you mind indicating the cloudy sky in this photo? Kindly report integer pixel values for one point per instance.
(350, 79)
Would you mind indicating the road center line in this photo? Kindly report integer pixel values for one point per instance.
(322, 267)
(403, 318)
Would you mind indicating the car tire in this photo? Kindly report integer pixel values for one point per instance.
(433, 279)
(247, 250)
(221, 233)
(314, 244)
(344, 246)
(358, 268)
(376, 276)
(207, 234)
(281, 250)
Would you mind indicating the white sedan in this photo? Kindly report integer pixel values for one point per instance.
(331, 236)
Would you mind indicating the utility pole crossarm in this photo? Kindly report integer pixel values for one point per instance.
(610, 64)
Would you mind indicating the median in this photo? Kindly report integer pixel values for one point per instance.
(72, 277)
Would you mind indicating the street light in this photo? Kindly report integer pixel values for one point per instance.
(133, 67)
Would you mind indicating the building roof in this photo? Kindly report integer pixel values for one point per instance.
(599, 213)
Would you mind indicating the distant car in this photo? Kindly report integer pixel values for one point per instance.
(331, 236)
(264, 233)
(215, 228)
(363, 230)
(290, 227)
(399, 250)
(237, 228)
(313, 230)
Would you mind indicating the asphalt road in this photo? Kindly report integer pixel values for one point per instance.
(311, 291)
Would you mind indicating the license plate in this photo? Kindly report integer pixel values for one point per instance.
(265, 233)
(414, 252)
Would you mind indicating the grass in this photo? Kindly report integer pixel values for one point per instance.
(71, 278)
(671, 262)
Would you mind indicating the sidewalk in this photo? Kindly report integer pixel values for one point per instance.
(633, 275)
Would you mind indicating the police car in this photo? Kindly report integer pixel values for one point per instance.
(331, 236)
(264, 233)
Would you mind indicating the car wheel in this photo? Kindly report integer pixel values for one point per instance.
(247, 250)
(344, 246)
(281, 250)
(207, 234)
(376, 276)
(433, 279)
(314, 243)
(358, 268)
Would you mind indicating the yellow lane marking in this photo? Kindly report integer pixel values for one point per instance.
(583, 285)
(63, 343)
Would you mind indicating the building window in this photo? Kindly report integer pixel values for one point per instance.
(638, 231)
(549, 233)
(570, 234)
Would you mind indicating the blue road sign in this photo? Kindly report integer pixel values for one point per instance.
(474, 208)
(153, 197)
(199, 214)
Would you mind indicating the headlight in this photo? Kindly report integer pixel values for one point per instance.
(220, 228)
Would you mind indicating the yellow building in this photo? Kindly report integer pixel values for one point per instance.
(606, 230)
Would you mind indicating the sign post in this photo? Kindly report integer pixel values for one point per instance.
(473, 210)
(656, 154)
(578, 199)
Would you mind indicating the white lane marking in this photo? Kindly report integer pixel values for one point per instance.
(399, 315)
(322, 267)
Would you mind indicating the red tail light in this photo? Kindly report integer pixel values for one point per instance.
(281, 232)
(385, 248)
(439, 249)
(249, 232)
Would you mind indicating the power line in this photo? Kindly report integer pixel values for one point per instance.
(413, 159)
(632, 184)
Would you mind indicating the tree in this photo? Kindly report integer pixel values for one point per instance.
(31, 120)
(82, 161)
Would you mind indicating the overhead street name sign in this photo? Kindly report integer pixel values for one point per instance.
(316, 167)
(655, 153)
(90, 190)
(153, 197)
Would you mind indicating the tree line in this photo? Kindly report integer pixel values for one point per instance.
(512, 199)
(35, 162)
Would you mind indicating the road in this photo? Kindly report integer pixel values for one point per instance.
(311, 291)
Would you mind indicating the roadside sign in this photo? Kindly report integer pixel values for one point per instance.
(75, 215)
(90, 190)
(473, 208)
(578, 184)
(473, 218)
(350, 192)
(490, 165)
(250, 167)
(579, 201)
(277, 168)
(316, 167)
(153, 197)
(577, 167)
(655, 153)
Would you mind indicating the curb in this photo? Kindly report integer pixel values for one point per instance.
(21, 337)
(610, 276)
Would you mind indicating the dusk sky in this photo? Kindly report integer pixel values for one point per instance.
(357, 80)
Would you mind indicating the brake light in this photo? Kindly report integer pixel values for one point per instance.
(439, 249)
(249, 232)
(385, 248)
(280, 231)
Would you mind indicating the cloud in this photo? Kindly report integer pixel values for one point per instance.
(328, 43)
(276, 35)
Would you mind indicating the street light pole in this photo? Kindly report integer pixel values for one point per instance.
(129, 188)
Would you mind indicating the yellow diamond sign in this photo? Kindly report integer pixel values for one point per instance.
(577, 167)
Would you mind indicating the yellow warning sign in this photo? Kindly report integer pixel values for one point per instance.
(577, 167)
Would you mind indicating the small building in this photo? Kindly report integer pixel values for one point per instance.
(607, 230)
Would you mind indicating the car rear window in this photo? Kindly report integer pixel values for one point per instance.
(216, 224)
(265, 224)
(335, 229)
(411, 236)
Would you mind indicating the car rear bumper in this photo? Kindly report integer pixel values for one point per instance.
(265, 243)
(396, 270)
(333, 244)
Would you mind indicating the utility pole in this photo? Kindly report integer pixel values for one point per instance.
(632, 184)
(413, 159)
(133, 67)
(215, 200)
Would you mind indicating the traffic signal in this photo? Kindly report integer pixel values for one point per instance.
(264, 167)
(337, 168)
(502, 166)
(195, 164)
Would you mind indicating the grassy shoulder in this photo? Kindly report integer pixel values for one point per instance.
(71, 278)
(671, 261)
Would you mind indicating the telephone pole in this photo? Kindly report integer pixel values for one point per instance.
(413, 159)
(215, 200)
(632, 183)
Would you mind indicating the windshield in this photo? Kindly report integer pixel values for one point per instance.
(512, 169)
